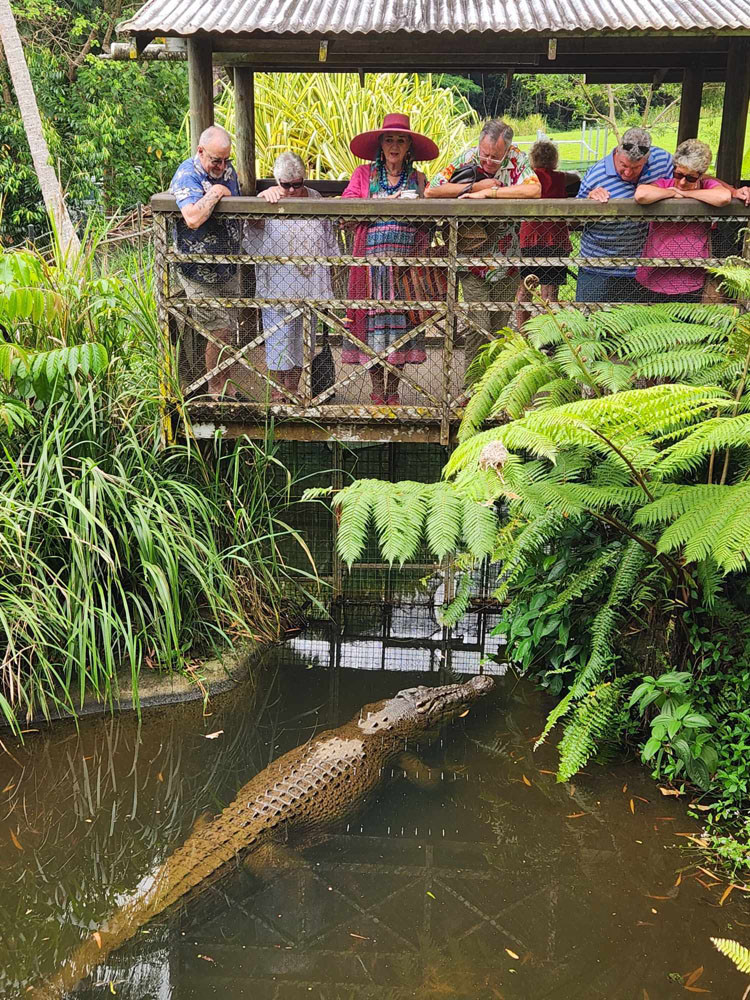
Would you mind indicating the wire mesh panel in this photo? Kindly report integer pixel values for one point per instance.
(340, 310)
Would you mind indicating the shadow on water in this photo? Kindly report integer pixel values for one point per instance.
(492, 881)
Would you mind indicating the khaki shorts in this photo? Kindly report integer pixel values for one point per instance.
(212, 317)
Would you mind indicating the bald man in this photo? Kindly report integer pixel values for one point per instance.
(198, 186)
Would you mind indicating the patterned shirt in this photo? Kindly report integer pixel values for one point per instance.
(620, 237)
(217, 235)
(515, 168)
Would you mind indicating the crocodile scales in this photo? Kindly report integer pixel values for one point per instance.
(293, 800)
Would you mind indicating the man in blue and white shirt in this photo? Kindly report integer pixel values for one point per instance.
(199, 184)
(635, 161)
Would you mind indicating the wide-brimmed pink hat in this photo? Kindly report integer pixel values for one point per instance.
(366, 145)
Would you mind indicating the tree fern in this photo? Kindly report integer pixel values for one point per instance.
(452, 613)
(399, 512)
(734, 951)
(590, 724)
(355, 505)
(444, 519)
(587, 579)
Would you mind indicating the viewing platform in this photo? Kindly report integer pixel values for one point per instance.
(299, 253)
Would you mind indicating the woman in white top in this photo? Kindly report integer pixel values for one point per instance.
(283, 236)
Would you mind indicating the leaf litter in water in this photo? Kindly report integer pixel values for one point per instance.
(213, 736)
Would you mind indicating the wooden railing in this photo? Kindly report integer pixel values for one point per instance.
(293, 284)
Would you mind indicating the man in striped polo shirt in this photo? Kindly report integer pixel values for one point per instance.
(635, 161)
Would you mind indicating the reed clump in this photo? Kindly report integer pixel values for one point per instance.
(116, 553)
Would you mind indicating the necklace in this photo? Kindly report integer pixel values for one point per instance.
(392, 188)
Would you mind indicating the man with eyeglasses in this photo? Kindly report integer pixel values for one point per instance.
(500, 170)
(635, 161)
(199, 184)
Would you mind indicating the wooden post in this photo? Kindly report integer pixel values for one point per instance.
(244, 128)
(201, 87)
(734, 115)
(690, 104)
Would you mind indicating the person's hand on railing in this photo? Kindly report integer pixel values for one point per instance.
(599, 194)
(272, 195)
(743, 193)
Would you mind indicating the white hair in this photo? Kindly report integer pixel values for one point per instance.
(217, 134)
(694, 155)
(288, 167)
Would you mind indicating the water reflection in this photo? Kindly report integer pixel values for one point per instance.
(492, 880)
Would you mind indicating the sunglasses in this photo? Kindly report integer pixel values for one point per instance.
(217, 161)
(291, 185)
(630, 146)
(690, 178)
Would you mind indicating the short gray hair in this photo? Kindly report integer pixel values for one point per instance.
(638, 137)
(693, 154)
(496, 129)
(288, 167)
(215, 133)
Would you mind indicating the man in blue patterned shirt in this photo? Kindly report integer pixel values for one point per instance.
(635, 161)
(198, 186)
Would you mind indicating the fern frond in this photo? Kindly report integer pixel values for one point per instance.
(560, 710)
(735, 952)
(716, 434)
(590, 723)
(634, 559)
(479, 527)
(443, 522)
(399, 512)
(525, 541)
(586, 579)
(356, 503)
(452, 613)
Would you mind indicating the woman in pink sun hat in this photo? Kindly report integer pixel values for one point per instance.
(392, 151)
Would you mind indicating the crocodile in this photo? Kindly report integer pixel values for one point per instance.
(293, 801)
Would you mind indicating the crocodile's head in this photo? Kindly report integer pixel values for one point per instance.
(420, 710)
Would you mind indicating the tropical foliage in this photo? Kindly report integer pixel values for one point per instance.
(317, 114)
(118, 554)
(613, 454)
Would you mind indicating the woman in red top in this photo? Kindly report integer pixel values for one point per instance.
(545, 238)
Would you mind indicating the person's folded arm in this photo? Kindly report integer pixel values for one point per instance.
(647, 194)
(715, 196)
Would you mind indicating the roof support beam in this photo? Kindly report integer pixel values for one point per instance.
(690, 103)
(201, 87)
(244, 128)
(734, 115)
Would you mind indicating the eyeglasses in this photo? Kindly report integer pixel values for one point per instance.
(291, 185)
(630, 146)
(217, 161)
(690, 178)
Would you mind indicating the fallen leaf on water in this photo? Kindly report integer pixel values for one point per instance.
(632, 806)
(696, 989)
(669, 791)
(644, 923)
(526, 780)
(624, 788)
(575, 815)
(641, 798)
(665, 819)
(692, 977)
(653, 910)
(679, 879)
(98, 938)
(651, 896)
(8, 787)
(112, 989)
(431, 895)
(696, 840)
(461, 716)
(213, 736)
(360, 937)
(15, 840)
(207, 958)
(697, 805)
(725, 894)
(160, 776)
(541, 771)
(512, 954)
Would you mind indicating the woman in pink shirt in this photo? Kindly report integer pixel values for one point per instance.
(680, 239)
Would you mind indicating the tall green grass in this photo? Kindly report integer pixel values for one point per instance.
(116, 553)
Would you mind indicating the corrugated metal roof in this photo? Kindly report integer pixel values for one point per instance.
(331, 17)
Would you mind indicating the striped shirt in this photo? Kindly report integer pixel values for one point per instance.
(620, 237)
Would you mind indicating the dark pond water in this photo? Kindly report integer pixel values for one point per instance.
(496, 883)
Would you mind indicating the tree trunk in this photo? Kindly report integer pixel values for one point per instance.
(48, 181)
